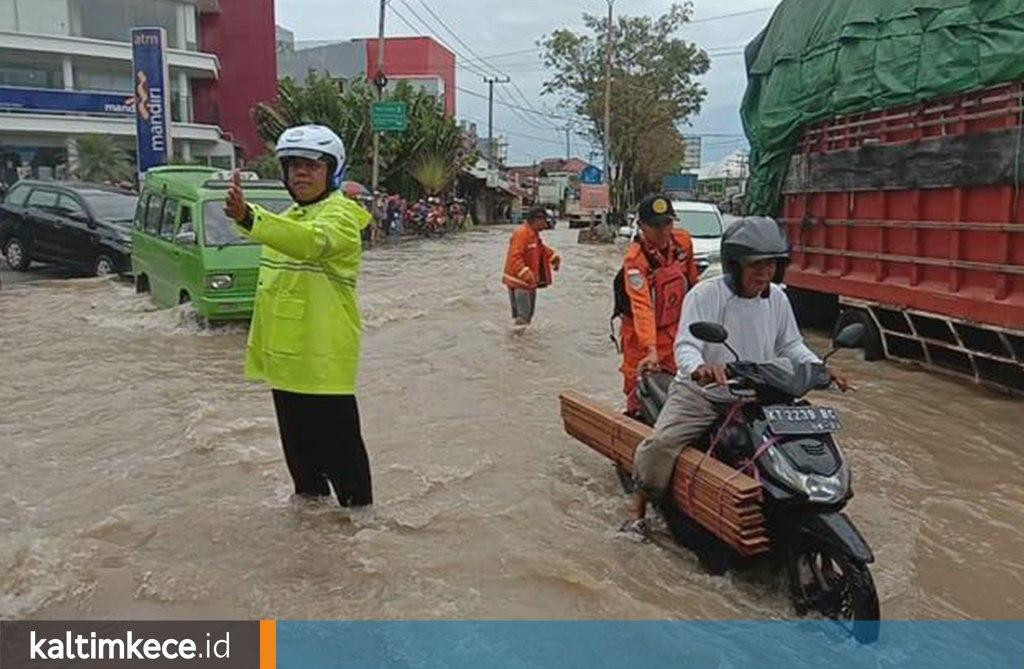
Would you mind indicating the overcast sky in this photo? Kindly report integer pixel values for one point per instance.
(500, 26)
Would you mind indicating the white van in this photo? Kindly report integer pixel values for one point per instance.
(704, 223)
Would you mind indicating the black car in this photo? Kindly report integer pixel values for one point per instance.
(79, 225)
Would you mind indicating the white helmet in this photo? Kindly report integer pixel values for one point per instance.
(314, 142)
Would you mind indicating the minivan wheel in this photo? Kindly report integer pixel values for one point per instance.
(17, 258)
(141, 283)
(104, 266)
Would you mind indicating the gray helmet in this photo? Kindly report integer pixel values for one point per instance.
(750, 239)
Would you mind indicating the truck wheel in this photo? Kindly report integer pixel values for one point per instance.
(17, 256)
(873, 349)
(141, 283)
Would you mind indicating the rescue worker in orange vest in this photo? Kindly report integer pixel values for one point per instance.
(657, 272)
(529, 264)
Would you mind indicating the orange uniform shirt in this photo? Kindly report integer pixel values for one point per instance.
(640, 331)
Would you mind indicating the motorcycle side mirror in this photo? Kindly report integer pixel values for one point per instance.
(852, 336)
(712, 333)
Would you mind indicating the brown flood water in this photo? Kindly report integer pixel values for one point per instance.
(140, 476)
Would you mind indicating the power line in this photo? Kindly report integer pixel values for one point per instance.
(473, 68)
(729, 16)
(457, 38)
(480, 58)
(502, 100)
(523, 97)
(506, 104)
(519, 134)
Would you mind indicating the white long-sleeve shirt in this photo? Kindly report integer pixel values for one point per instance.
(760, 328)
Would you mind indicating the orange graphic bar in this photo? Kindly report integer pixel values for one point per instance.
(268, 644)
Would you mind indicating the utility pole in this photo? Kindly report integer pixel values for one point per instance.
(490, 81)
(380, 82)
(568, 141)
(608, 97)
(536, 183)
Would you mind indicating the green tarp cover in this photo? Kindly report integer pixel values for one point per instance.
(818, 59)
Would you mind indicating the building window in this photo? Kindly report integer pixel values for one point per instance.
(114, 19)
(19, 72)
(108, 79)
(45, 17)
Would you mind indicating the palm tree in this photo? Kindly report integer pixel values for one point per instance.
(433, 171)
(101, 159)
(431, 140)
(320, 101)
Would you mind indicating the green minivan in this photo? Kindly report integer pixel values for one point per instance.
(184, 249)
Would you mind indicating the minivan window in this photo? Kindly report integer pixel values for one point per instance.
(112, 207)
(699, 223)
(219, 230)
(185, 224)
(17, 195)
(70, 205)
(169, 216)
(42, 198)
(140, 211)
(153, 211)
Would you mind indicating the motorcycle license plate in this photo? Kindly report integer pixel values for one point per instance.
(802, 419)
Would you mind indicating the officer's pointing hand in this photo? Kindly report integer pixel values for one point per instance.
(234, 204)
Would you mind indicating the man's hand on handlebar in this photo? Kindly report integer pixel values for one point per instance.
(840, 380)
(710, 374)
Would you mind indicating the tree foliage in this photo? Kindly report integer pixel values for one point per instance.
(654, 90)
(100, 159)
(429, 133)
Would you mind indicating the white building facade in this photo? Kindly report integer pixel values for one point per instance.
(66, 71)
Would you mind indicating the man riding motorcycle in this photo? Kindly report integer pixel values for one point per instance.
(760, 319)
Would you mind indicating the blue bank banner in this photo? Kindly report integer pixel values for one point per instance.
(61, 101)
(152, 97)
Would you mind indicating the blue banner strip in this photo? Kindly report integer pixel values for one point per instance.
(641, 644)
(60, 101)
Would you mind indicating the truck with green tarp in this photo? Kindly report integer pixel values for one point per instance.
(888, 137)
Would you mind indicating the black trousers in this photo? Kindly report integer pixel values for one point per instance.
(322, 442)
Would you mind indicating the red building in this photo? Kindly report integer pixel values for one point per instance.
(416, 59)
(241, 34)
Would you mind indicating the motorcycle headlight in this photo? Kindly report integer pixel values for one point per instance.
(820, 489)
(220, 281)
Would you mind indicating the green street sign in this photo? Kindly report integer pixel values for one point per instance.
(388, 116)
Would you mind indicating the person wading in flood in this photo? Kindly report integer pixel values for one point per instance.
(528, 265)
(305, 335)
(657, 272)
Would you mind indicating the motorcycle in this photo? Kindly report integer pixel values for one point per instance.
(790, 447)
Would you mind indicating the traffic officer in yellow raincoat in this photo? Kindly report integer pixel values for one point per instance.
(305, 335)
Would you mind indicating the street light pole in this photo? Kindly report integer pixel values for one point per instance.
(608, 97)
(380, 95)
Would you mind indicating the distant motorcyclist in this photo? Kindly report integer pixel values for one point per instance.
(760, 320)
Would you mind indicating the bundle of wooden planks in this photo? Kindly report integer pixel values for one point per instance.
(724, 500)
